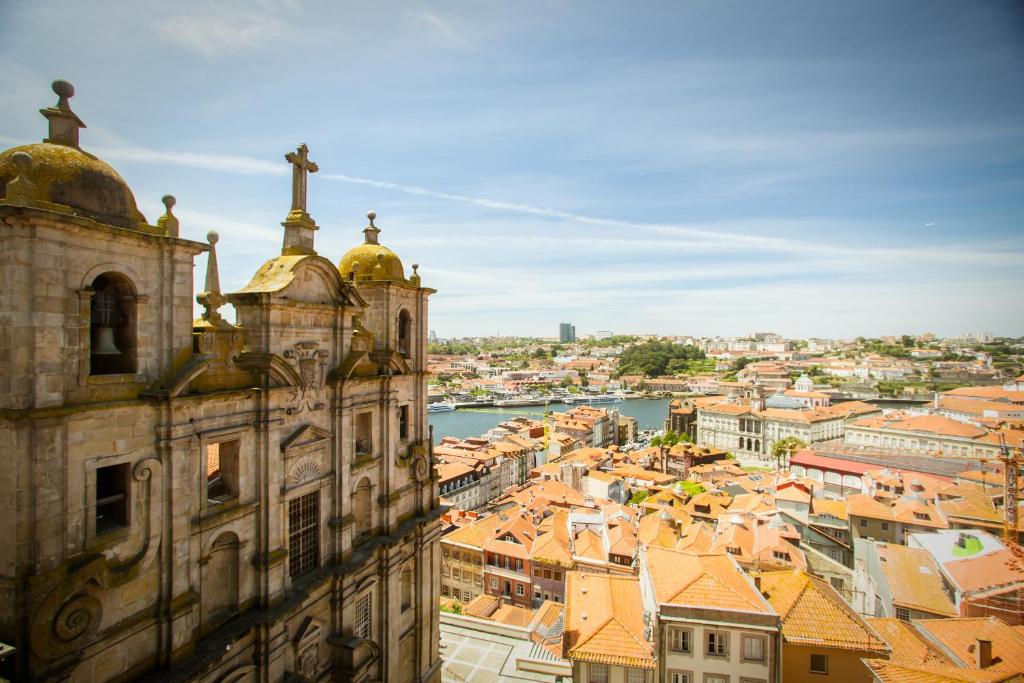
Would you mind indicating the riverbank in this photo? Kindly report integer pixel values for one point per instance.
(468, 422)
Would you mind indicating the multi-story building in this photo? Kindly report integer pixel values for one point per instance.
(566, 333)
(750, 431)
(707, 619)
(248, 501)
(923, 434)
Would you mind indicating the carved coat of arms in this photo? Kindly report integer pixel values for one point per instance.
(311, 365)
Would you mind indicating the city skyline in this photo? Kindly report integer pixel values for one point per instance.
(820, 171)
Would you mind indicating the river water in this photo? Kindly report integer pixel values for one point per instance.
(464, 423)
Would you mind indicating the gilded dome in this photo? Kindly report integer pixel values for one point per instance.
(66, 175)
(369, 256)
(59, 172)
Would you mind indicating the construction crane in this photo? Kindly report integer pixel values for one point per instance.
(1010, 457)
(1011, 460)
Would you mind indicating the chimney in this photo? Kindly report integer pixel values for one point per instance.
(757, 583)
(983, 653)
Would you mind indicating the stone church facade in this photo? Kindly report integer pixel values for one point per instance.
(197, 499)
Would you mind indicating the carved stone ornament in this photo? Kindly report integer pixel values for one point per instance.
(416, 457)
(306, 469)
(311, 364)
(68, 618)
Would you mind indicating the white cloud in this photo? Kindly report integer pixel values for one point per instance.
(221, 27)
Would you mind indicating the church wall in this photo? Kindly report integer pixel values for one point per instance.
(128, 555)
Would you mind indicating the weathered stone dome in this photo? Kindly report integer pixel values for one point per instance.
(376, 262)
(62, 174)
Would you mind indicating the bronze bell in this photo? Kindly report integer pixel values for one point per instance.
(103, 344)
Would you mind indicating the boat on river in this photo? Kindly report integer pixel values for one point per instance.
(598, 398)
(441, 407)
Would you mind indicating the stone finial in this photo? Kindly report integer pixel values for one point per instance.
(21, 190)
(211, 298)
(414, 279)
(168, 222)
(64, 123)
(378, 270)
(371, 231)
(354, 273)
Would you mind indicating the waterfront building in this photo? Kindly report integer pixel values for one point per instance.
(196, 499)
(749, 430)
(566, 333)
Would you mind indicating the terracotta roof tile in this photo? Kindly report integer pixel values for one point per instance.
(814, 614)
(604, 621)
(958, 636)
(914, 579)
(906, 642)
(681, 578)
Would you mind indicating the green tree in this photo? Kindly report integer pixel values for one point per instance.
(638, 497)
(785, 448)
(741, 363)
(652, 359)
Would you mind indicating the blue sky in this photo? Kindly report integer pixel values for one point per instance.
(714, 167)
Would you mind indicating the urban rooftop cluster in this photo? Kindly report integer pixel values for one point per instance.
(811, 510)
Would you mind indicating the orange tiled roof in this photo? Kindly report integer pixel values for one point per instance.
(991, 573)
(895, 672)
(826, 506)
(552, 547)
(906, 642)
(957, 637)
(604, 621)
(814, 614)
(681, 578)
(915, 580)
(988, 392)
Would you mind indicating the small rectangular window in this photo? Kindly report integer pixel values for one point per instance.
(111, 498)
(678, 677)
(403, 422)
(753, 648)
(364, 434)
(717, 644)
(885, 526)
(863, 523)
(837, 583)
(363, 627)
(903, 614)
(636, 676)
(598, 673)
(222, 471)
(519, 589)
(819, 664)
(680, 639)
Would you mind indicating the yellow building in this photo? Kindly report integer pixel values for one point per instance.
(823, 639)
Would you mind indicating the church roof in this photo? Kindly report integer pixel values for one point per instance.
(62, 177)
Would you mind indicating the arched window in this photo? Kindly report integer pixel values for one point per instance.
(406, 588)
(405, 334)
(112, 341)
(219, 587)
(362, 507)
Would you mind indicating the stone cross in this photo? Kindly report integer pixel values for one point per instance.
(301, 166)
